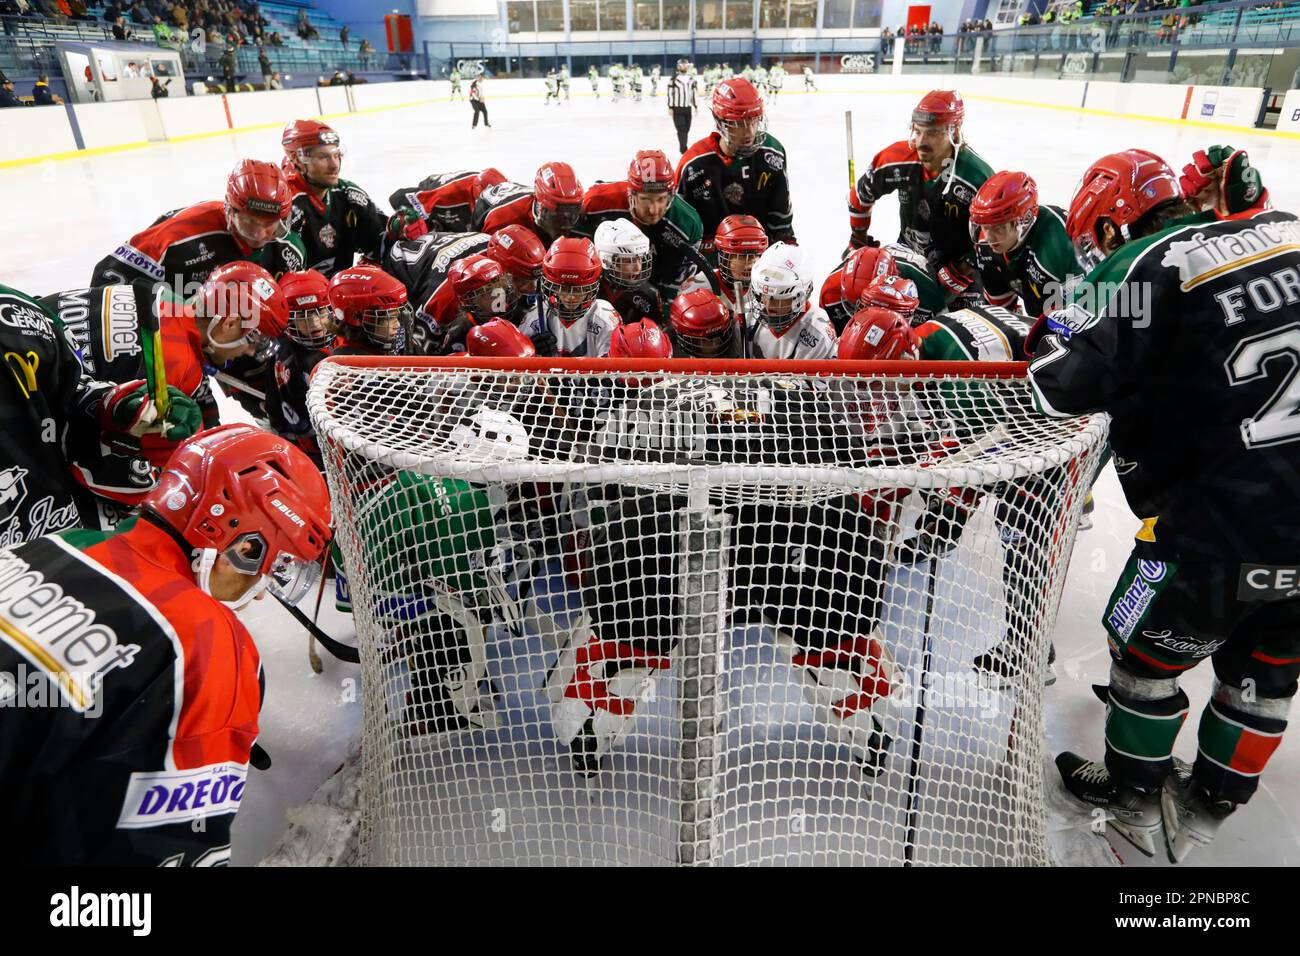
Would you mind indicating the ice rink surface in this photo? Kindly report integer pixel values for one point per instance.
(65, 215)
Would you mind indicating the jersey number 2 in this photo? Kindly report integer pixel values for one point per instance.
(1278, 420)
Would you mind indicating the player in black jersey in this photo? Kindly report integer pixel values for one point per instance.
(306, 341)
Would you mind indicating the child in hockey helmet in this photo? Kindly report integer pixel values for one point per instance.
(311, 318)
(372, 309)
(625, 253)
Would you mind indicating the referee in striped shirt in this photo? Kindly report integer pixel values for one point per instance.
(681, 101)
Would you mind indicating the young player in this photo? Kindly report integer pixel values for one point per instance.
(936, 175)
(446, 200)
(160, 684)
(649, 198)
(1021, 248)
(781, 322)
(552, 87)
(372, 311)
(551, 208)
(640, 340)
(593, 77)
(626, 261)
(498, 338)
(306, 341)
(760, 80)
(701, 326)
(809, 82)
(68, 433)
(897, 294)
(564, 82)
(739, 242)
(456, 91)
(656, 73)
(616, 80)
(844, 287)
(574, 320)
(738, 169)
(183, 247)
(636, 81)
(335, 218)
(1178, 331)
(775, 79)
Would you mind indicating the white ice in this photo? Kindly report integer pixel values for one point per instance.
(63, 216)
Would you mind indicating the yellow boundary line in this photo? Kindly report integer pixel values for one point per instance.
(1084, 110)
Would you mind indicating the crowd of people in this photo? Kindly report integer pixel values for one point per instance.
(697, 259)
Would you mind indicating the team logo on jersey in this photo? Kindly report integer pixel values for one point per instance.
(13, 490)
(963, 192)
(775, 160)
(295, 218)
(734, 193)
(182, 796)
(327, 236)
(26, 319)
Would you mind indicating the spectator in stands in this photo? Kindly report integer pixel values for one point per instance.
(10, 10)
(122, 32)
(264, 62)
(139, 14)
(181, 17)
(887, 41)
(366, 51)
(344, 34)
(228, 69)
(7, 96)
(162, 33)
(936, 36)
(305, 29)
(276, 39)
(50, 10)
(78, 11)
(42, 95)
(216, 47)
(276, 83)
(158, 89)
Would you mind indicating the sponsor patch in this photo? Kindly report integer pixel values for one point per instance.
(1132, 605)
(181, 796)
(1264, 582)
(139, 261)
(25, 318)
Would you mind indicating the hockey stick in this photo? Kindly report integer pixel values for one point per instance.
(235, 383)
(313, 657)
(848, 142)
(918, 726)
(155, 370)
(349, 655)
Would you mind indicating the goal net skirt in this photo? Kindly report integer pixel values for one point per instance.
(624, 612)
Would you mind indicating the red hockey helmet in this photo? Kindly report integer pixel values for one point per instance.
(498, 339)
(1004, 210)
(370, 305)
(489, 177)
(557, 198)
(246, 291)
(941, 108)
(702, 327)
(896, 293)
(519, 250)
(257, 203)
(1119, 189)
(651, 183)
(863, 267)
(311, 318)
(251, 496)
(300, 135)
(738, 114)
(879, 335)
(481, 286)
(571, 277)
(642, 339)
(740, 240)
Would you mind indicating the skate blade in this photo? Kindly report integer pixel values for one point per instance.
(1142, 838)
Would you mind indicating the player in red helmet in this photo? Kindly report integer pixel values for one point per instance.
(648, 198)
(878, 335)
(1181, 333)
(519, 250)
(1223, 180)
(159, 693)
(335, 218)
(446, 200)
(1021, 248)
(183, 246)
(574, 320)
(372, 310)
(739, 241)
(846, 283)
(551, 208)
(642, 339)
(936, 175)
(895, 293)
(306, 341)
(498, 339)
(739, 168)
(482, 287)
(702, 327)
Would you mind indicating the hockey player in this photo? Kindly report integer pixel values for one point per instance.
(727, 72)
(593, 77)
(616, 80)
(498, 339)
(565, 79)
(936, 175)
(775, 79)
(636, 79)
(1177, 331)
(760, 80)
(236, 310)
(844, 287)
(896, 293)
(702, 327)
(1021, 248)
(574, 320)
(809, 83)
(158, 683)
(552, 87)
(739, 241)
(551, 208)
(306, 341)
(181, 248)
(640, 340)
(68, 433)
(781, 322)
(738, 169)
(1221, 179)
(372, 312)
(656, 73)
(456, 91)
(626, 260)
(446, 200)
(335, 218)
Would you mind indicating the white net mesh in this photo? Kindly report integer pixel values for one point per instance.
(695, 617)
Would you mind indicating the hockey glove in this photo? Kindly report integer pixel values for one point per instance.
(544, 343)
(939, 529)
(406, 224)
(953, 278)
(130, 409)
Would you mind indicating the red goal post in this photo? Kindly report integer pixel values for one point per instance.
(776, 575)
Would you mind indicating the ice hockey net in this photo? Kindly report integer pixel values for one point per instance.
(726, 613)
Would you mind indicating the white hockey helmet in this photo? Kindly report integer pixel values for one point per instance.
(780, 287)
(491, 435)
(625, 252)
